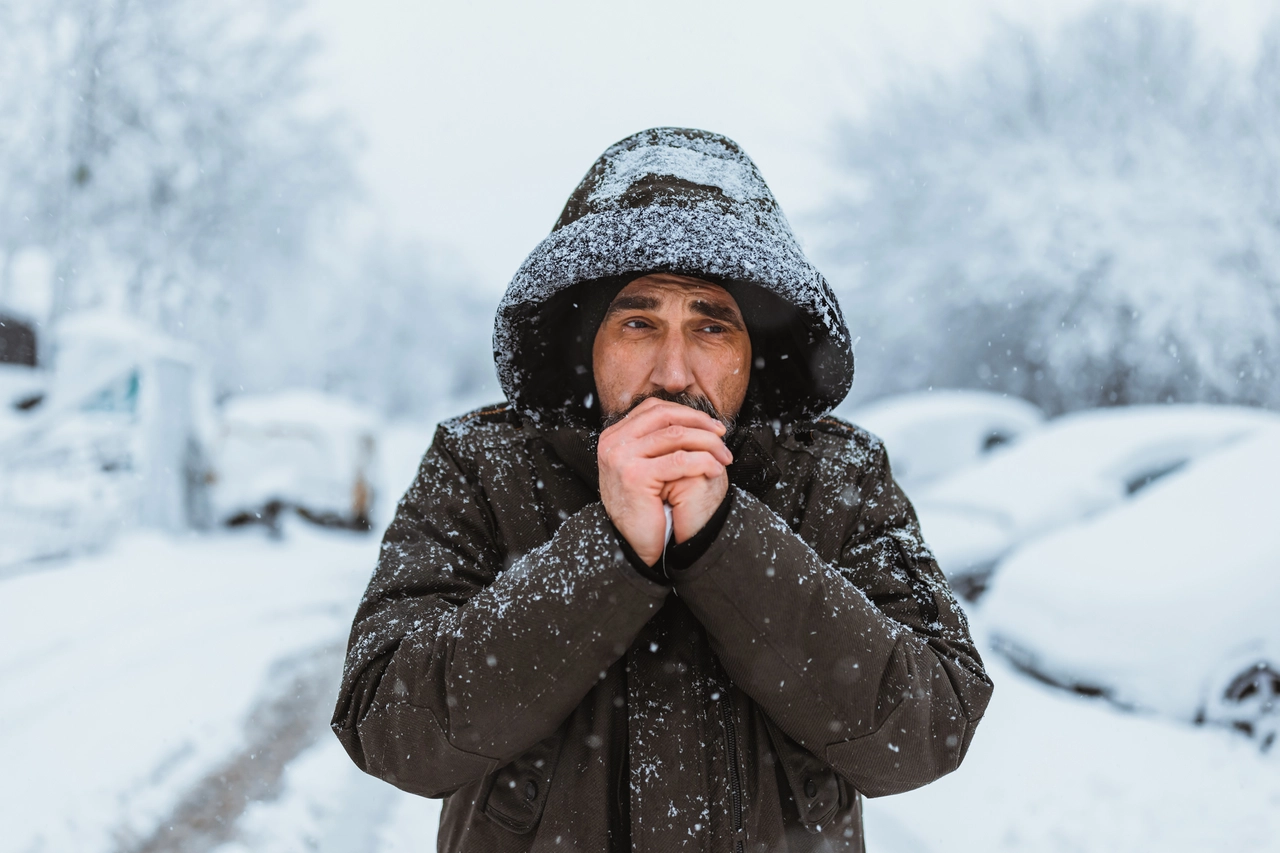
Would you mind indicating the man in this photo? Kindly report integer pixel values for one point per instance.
(658, 601)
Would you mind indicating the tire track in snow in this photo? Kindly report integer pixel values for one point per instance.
(292, 715)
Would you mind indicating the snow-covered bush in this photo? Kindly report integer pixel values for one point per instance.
(1091, 218)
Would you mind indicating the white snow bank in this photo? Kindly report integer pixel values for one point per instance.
(1164, 600)
(933, 433)
(1050, 772)
(18, 383)
(128, 675)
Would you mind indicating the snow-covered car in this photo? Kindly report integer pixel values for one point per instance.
(1168, 603)
(1073, 468)
(301, 451)
(930, 434)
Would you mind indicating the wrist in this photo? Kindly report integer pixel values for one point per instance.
(681, 556)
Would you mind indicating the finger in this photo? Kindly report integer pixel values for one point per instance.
(684, 463)
(681, 491)
(675, 437)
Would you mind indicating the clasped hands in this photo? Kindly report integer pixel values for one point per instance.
(662, 452)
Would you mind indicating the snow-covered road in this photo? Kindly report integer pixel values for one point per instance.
(166, 679)
(172, 694)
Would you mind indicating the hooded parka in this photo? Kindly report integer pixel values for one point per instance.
(509, 656)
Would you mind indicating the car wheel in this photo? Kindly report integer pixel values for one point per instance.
(1251, 703)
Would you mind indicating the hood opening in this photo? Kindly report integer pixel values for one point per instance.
(555, 339)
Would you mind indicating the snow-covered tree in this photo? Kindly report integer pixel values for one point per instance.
(166, 156)
(1090, 218)
(392, 324)
(414, 346)
(174, 162)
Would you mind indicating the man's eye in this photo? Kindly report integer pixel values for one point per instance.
(636, 323)
(713, 328)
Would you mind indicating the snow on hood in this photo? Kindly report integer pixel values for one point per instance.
(682, 201)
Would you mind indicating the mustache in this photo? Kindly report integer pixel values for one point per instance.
(684, 398)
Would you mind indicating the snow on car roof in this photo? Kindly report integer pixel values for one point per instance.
(1157, 600)
(889, 413)
(1085, 462)
(117, 332)
(931, 434)
(297, 407)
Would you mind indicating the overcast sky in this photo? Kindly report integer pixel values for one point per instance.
(480, 118)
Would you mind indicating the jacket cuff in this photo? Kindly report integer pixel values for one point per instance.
(679, 556)
(653, 573)
(711, 551)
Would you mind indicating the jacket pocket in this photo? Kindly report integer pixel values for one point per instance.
(517, 792)
(814, 784)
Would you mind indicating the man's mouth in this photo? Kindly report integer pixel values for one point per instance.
(698, 402)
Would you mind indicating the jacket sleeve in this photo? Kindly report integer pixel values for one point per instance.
(456, 665)
(867, 661)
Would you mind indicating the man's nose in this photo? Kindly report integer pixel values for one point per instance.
(671, 371)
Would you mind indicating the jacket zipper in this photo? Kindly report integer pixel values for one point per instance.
(735, 780)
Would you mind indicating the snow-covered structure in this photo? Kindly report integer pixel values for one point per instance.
(121, 438)
(1076, 467)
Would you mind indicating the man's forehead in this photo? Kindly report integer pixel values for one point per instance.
(666, 285)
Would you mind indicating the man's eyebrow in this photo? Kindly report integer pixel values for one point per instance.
(721, 313)
(633, 302)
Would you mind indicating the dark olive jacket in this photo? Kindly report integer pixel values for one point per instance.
(509, 658)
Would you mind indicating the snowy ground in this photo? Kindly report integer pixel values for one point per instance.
(1050, 772)
(173, 694)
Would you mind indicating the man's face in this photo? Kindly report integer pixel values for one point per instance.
(669, 335)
